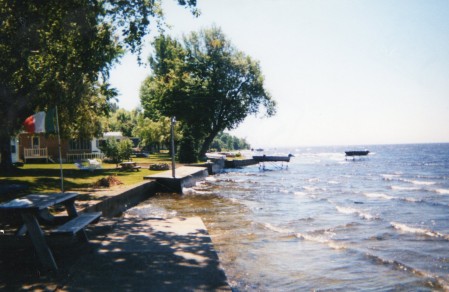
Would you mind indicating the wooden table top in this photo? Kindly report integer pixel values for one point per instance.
(37, 201)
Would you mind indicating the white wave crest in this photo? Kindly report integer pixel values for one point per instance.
(300, 193)
(408, 229)
(313, 189)
(310, 189)
(379, 196)
(402, 188)
(278, 229)
(361, 214)
(419, 182)
(442, 191)
(192, 191)
(321, 239)
(411, 200)
(333, 182)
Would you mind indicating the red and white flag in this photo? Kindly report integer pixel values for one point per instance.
(41, 122)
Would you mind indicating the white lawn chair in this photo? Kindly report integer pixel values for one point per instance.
(90, 164)
(94, 164)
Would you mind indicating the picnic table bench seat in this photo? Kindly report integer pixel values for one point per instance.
(33, 210)
(76, 224)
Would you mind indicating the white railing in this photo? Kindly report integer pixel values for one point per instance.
(73, 157)
(30, 153)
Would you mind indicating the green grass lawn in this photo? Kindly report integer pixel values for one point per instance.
(43, 178)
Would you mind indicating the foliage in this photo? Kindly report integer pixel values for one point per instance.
(206, 83)
(155, 135)
(227, 142)
(117, 151)
(59, 53)
(125, 149)
(110, 150)
(188, 150)
(123, 121)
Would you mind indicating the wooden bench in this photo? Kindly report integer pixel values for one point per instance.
(76, 225)
(137, 167)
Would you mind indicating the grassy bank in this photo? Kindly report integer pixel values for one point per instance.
(42, 178)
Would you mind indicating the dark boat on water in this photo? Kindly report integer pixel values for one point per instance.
(272, 158)
(357, 153)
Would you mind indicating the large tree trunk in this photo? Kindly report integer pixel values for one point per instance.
(5, 151)
(206, 144)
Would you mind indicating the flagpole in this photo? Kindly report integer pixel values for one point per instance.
(59, 146)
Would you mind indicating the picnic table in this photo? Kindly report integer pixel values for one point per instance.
(129, 165)
(33, 209)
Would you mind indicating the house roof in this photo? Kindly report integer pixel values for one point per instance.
(112, 134)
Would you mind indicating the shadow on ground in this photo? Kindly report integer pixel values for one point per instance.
(124, 254)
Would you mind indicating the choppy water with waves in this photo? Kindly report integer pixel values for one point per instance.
(375, 224)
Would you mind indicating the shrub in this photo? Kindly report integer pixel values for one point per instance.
(117, 151)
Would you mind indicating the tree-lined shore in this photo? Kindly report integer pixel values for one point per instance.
(57, 54)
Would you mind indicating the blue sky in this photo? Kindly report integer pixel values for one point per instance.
(353, 72)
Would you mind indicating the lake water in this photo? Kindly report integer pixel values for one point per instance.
(325, 223)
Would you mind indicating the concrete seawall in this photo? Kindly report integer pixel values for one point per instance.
(119, 201)
(163, 182)
(116, 202)
(213, 166)
(186, 177)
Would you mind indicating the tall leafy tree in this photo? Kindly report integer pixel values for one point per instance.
(123, 121)
(154, 135)
(206, 83)
(59, 53)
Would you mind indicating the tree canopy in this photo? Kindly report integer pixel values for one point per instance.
(122, 120)
(155, 135)
(227, 142)
(59, 53)
(206, 83)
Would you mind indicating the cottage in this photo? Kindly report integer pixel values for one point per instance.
(45, 147)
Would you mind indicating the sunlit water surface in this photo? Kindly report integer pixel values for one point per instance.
(326, 223)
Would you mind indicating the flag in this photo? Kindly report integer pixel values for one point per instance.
(41, 122)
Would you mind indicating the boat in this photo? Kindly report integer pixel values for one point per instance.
(272, 158)
(357, 153)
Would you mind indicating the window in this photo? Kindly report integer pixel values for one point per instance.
(35, 142)
(79, 144)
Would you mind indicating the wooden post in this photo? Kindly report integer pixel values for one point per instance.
(59, 146)
(172, 130)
